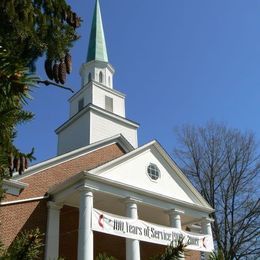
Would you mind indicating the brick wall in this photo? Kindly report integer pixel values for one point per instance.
(29, 215)
(69, 223)
(192, 255)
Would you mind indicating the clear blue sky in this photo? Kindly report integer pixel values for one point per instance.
(177, 61)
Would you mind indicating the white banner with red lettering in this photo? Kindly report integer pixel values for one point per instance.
(141, 230)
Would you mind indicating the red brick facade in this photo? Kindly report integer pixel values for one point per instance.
(16, 218)
(24, 216)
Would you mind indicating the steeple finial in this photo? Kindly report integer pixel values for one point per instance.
(97, 49)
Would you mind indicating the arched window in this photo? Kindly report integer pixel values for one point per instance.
(100, 77)
(109, 81)
(89, 77)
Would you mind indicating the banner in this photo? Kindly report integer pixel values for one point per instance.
(144, 231)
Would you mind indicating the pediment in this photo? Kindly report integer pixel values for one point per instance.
(132, 170)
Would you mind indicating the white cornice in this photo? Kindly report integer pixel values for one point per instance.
(101, 64)
(15, 183)
(114, 116)
(99, 110)
(87, 176)
(148, 193)
(98, 85)
(13, 187)
(111, 90)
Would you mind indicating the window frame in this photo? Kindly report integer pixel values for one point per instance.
(111, 104)
(83, 104)
(101, 77)
(148, 174)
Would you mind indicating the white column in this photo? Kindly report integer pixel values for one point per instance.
(175, 218)
(132, 245)
(206, 230)
(85, 235)
(53, 230)
(175, 221)
(206, 226)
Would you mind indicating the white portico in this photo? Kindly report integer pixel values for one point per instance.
(125, 187)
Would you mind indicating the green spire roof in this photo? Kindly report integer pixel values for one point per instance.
(97, 49)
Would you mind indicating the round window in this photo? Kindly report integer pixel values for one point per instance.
(153, 171)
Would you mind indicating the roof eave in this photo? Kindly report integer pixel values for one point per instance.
(119, 139)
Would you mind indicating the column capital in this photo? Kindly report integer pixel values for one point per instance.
(207, 220)
(131, 200)
(174, 212)
(54, 205)
(175, 218)
(87, 190)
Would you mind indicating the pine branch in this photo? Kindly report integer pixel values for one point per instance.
(47, 83)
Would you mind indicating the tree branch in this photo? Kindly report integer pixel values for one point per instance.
(47, 83)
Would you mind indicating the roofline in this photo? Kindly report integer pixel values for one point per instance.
(167, 158)
(119, 139)
(104, 63)
(181, 174)
(99, 85)
(97, 109)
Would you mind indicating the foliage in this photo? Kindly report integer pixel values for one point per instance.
(30, 28)
(217, 255)
(28, 246)
(224, 164)
(104, 256)
(1, 249)
(15, 81)
(172, 252)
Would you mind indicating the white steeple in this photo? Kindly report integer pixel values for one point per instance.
(97, 67)
(97, 110)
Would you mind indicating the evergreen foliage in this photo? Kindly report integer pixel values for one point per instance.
(172, 252)
(28, 246)
(29, 29)
(15, 82)
(217, 255)
(104, 256)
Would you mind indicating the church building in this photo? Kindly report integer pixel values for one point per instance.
(103, 192)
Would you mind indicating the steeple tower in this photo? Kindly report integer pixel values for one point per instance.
(97, 111)
(97, 49)
(97, 67)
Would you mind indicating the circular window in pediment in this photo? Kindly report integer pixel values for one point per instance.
(153, 172)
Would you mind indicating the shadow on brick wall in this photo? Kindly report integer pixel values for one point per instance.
(38, 219)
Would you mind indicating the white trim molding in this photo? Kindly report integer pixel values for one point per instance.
(14, 187)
